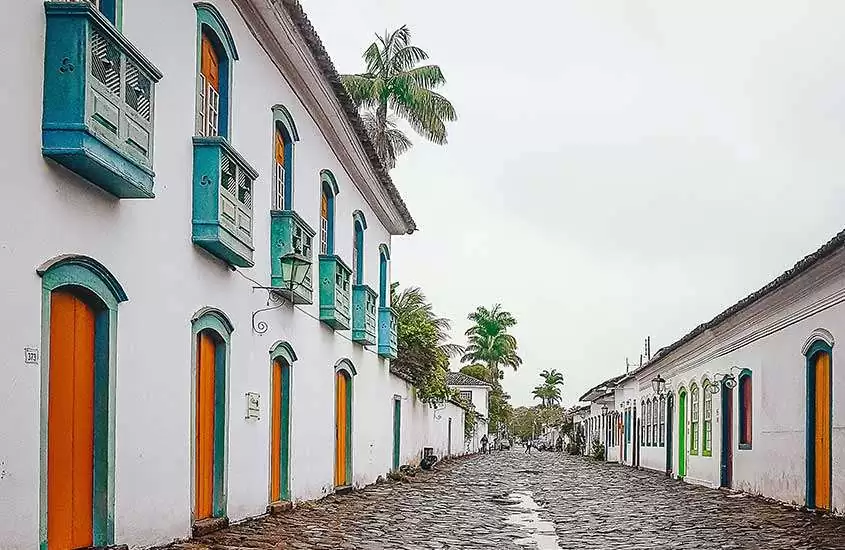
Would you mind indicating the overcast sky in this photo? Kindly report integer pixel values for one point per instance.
(619, 168)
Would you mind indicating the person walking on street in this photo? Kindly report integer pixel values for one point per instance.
(484, 442)
(528, 447)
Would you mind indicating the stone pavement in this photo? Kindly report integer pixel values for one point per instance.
(545, 501)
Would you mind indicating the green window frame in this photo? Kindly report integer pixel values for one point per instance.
(707, 426)
(695, 418)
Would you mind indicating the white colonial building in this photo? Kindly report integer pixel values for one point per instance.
(477, 393)
(748, 400)
(195, 275)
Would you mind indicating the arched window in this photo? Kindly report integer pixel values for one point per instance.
(383, 276)
(328, 192)
(285, 134)
(707, 430)
(695, 411)
(745, 403)
(642, 422)
(217, 53)
(654, 419)
(79, 314)
(648, 420)
(662, 427)
(212, 333)
(359, 224)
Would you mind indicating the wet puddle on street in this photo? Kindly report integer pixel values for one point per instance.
(526, 516)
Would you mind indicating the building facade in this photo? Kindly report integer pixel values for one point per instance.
(476, 393)
(195, 287)
(749, 400)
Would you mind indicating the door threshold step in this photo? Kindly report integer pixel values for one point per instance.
(343, 490)
(205, 526)
(280, 507)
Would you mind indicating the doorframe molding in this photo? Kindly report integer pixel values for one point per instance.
(79, 271)
(819, 344)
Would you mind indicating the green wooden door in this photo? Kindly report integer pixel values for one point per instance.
(682, 434)
(397, 432)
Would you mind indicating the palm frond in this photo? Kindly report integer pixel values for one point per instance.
(361, 88)
(404, 58)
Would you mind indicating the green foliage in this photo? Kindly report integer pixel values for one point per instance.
(477, 370)
(423, 342)
(489, 340)
(490, 347)
(394, 85)
(549, 393)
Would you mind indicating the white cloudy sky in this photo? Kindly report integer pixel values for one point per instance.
(619, 168)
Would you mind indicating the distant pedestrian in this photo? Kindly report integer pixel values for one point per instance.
(484, 442)
(528, 447)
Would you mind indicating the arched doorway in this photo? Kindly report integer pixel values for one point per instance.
(670, 411)
(819, 370)
(79, 304)
(682, 434)
(212, 334)
(282, 358)
(727, 450)
(343, 424)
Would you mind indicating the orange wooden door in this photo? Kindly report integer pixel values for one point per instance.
(822, 436)
(206, 350)
(276, 434)
(340, 429)
(70, 440)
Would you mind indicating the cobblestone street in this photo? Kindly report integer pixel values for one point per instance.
(545, 501)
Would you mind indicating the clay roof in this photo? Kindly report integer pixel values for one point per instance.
(461, 379)
(324, 62)
(826, 250)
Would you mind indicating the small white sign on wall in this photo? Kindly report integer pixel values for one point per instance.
(31, 356)
(253, 409)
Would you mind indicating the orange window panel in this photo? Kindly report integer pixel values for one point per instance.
(280, 149)
(70, 441)
(206, 349)
(276, 434)
(822, 435)
(210, 63)
(324, 206)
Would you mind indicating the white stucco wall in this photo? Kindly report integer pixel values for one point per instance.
(147, 245)
(766, 338)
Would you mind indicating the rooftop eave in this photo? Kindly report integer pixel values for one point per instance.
(286, 34)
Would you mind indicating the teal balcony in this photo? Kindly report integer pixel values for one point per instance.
(99, 101)
(222, 202)
(364, 301)
(290, 234)
(387, 346)
(335, 283)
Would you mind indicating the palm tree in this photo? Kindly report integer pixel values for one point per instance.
(423, 337)
(548, 395)
(489, 341)
(394, 84)
(552, 377)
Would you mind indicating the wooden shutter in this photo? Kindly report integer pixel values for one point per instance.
(210, 63)
(205, 415)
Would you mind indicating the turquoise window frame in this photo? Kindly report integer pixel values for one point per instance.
(383, 283)
(113, 11)
(97, 283)
(397, 433)
(348, 368)
(213, 320)
(284, 353)
(210, 21)
(743, 418)
(328, 185)
(359, 226)
(695, 425)
(283, 122)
